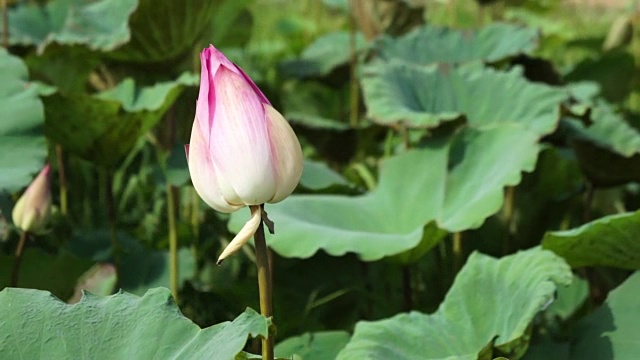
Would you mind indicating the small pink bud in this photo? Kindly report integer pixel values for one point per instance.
(242, 151)
(33, 208)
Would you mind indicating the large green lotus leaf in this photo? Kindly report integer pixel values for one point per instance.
(106, 126)
(317, 176)
(99, 25)
(313, 346)
(22, 146)
(324, 55)
(162, 30)
(608, 148)
(569, 299)
(608, 241)
(426, 96)
(611, 332)
(457, 181)
(608, 130)
(36, 325)
(430, 44)
(486, 313)
(39, 270)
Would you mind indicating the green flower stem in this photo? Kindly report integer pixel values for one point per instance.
(112, 216)
(264, 286)
(173, 240)
(457, 251)
(508, 219)
(16, 263)
(63, 180)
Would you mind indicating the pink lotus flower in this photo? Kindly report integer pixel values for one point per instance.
(242, 151)
(33, 208)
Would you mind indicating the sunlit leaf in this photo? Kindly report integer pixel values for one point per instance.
(429, 44)
(608, 241)
(426, 96)
(456, 182)
(22, 146)
(36, 325)
(490, 305)
(99, 25)
(611, 332)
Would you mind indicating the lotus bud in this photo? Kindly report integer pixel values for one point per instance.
(242, 151)
(33, 208)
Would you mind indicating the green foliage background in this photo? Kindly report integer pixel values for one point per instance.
(470, 186)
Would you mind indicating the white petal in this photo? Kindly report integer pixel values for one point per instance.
(287, 154)
(204, 176)
(240, 140)
(244, 235)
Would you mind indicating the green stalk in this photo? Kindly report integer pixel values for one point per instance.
(508, 211)
(62, 177)
(112, 216)
(457, 251)
(16, 263)
(173, 241)
(264, 285)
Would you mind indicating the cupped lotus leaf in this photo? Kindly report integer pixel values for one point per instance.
(608, 241)
(486, 313)
(164, 30)
(431, 44)
(324, 55)
(455, 181)
(22, 146)
(611, 332)
(313, 346)
(106, 126)
(36, 325)
(397, 93)
(99, 25)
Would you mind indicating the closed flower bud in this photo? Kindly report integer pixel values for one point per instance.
(33, 208)
(242, 151)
